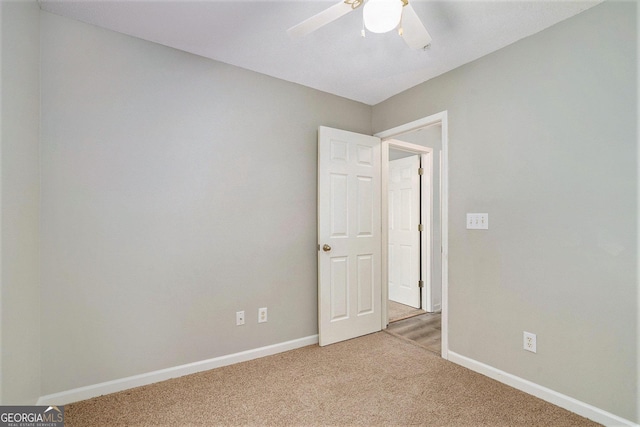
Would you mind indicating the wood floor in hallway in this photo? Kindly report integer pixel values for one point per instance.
(424, 330)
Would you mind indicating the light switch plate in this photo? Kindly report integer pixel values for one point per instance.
(478, 221)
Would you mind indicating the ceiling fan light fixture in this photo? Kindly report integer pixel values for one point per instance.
(381, 16)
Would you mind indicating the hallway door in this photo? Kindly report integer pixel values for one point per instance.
(404, 234)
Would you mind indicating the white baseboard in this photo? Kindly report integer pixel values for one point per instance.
(569, 403)
(114, 386)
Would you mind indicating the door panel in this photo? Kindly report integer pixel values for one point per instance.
(349, 273)
(364, 206)
(339, 290)
(366, 284)
(338, 199)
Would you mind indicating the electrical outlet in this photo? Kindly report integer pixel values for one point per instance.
(529, 341)
(239, 318)
(262, 315)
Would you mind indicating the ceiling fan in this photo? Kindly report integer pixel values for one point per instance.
(380, 16)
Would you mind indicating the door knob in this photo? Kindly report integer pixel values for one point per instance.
(326, 248)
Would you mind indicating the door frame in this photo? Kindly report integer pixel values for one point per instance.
(435, 119)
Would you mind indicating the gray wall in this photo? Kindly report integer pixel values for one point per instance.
(19, 203)
(175, 191)
(543, 138)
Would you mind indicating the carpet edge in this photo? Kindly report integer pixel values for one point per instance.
(113, 386)
(566, 402)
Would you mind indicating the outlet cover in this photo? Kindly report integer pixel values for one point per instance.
(529, 343)
(262, 315)
(239, 318)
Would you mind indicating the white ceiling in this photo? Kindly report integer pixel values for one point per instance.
(334, 59)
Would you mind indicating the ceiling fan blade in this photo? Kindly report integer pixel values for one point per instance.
(413, 31)
(320, 20)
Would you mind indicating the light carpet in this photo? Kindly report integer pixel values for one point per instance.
(375, 380)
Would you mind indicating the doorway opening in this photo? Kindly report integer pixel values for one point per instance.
(413, 304)
(409, 232)
(425, 137)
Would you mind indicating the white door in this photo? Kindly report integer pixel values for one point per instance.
(404, 235)
(349, 235)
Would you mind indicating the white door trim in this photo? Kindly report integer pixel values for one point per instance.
(442, 119)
